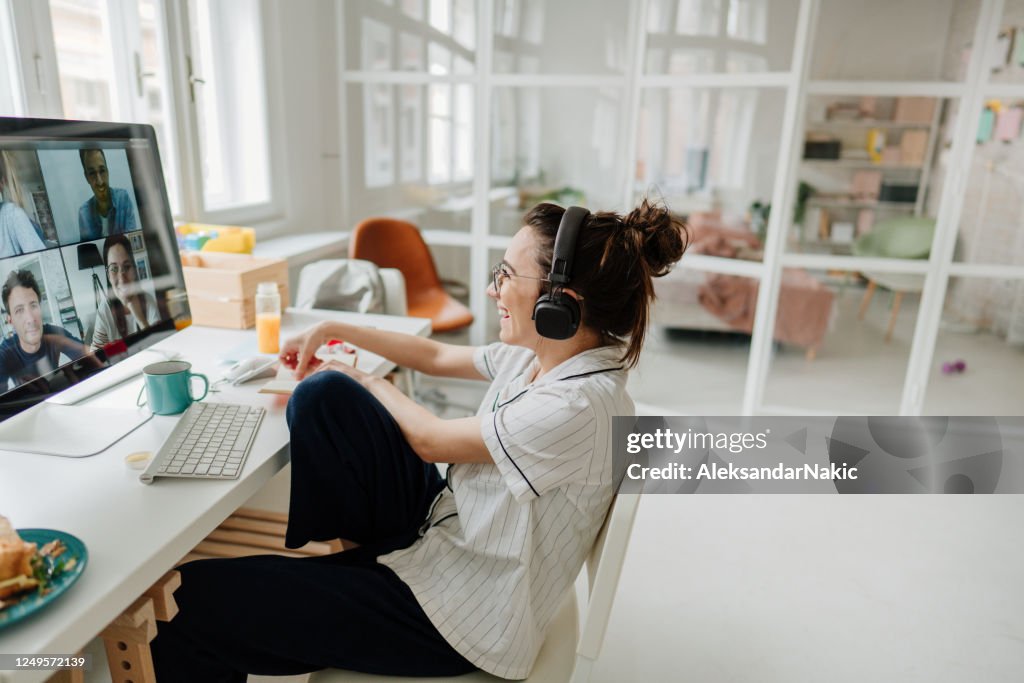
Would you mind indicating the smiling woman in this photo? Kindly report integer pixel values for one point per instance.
(128, 308)
(464, 572)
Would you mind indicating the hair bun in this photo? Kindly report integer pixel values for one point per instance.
(663, 236)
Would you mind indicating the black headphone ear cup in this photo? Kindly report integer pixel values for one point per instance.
(556, 315)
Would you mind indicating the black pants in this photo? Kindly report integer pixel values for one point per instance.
(354, 476)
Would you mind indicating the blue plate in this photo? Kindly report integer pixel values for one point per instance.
(33, 602)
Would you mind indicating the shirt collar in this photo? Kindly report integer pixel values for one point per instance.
(591, 360)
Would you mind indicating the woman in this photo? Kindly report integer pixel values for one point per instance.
(127, 308)
(17, 233)
(450, 574)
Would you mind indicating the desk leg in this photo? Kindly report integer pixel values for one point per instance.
(127, 638)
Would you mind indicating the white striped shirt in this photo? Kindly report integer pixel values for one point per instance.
(507, 543)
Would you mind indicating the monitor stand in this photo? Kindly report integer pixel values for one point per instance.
(74, 431)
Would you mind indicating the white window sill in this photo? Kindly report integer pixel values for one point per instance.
(301, 249)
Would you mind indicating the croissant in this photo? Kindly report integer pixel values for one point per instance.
(15, 561)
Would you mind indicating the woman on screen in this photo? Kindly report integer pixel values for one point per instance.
(128, 308)
(17, 234)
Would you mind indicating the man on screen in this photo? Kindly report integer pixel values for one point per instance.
(35, 349)
(109, 211)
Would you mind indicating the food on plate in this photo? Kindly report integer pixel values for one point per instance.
(15, 562)
(24, 566)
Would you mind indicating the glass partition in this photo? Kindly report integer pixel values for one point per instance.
(979, 350)
(842, 341)
(701, 326)
(871, 176)
(534, 36)
(877, 40)
(719, 36)
(992, 222)
(405, 35)
(705, 152)
(411, 153)
(554, 144)
(1008, 55)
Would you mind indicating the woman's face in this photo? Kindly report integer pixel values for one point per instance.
(520, 279)
(121, 271)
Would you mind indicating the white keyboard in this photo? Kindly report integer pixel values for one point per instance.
(210, 441)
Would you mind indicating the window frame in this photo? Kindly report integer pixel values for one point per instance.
(41, 97)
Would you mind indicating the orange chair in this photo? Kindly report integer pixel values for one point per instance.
(392, 243)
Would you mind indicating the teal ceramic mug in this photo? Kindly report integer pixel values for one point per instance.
(169, 387)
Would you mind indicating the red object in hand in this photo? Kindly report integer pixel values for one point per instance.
(335, 342)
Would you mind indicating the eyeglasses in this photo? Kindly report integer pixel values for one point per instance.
(126, 267)
(499, 274)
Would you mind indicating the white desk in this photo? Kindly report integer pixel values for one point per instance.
(135, 533)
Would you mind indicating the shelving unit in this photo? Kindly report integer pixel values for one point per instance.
(854, 163)
(834, 180)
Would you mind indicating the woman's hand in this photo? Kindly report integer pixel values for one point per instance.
(297, 352)
(352, 371)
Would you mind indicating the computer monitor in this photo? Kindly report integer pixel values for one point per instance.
(89, 264)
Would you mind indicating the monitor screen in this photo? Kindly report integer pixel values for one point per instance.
(89, 264)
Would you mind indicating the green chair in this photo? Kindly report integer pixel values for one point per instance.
(909, 237)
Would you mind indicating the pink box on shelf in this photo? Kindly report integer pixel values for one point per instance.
(914, 109)
(865, 221)
(913, 146)
(891, 156)
(1008, 124)
(866, 184)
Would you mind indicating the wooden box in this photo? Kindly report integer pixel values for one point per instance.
(222, 287)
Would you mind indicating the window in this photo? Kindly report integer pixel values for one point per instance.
(10, 85)
(112, 65)
(451, 133)
(153, 81)
(85, 59)
(110, 60)
(231, 111)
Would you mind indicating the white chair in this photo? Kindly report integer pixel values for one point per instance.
(567, 654)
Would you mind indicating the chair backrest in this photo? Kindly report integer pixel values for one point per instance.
(393, 243)
(604, 567)
(908, 237)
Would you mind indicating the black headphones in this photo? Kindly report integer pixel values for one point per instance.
(557, 314)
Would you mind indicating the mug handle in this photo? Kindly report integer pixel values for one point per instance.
(206, 385)
(139, 400)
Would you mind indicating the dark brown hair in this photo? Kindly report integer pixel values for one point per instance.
(19, 278)
(615, 259)
(82, 153)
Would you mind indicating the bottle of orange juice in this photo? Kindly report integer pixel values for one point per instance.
(268, 317)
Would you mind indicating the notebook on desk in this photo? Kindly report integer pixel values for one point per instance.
(284, 384)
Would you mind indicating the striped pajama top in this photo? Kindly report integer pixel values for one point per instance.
(504, 545)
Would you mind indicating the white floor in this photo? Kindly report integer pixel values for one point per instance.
(819, 588)
(855, 371)
(906, 589)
